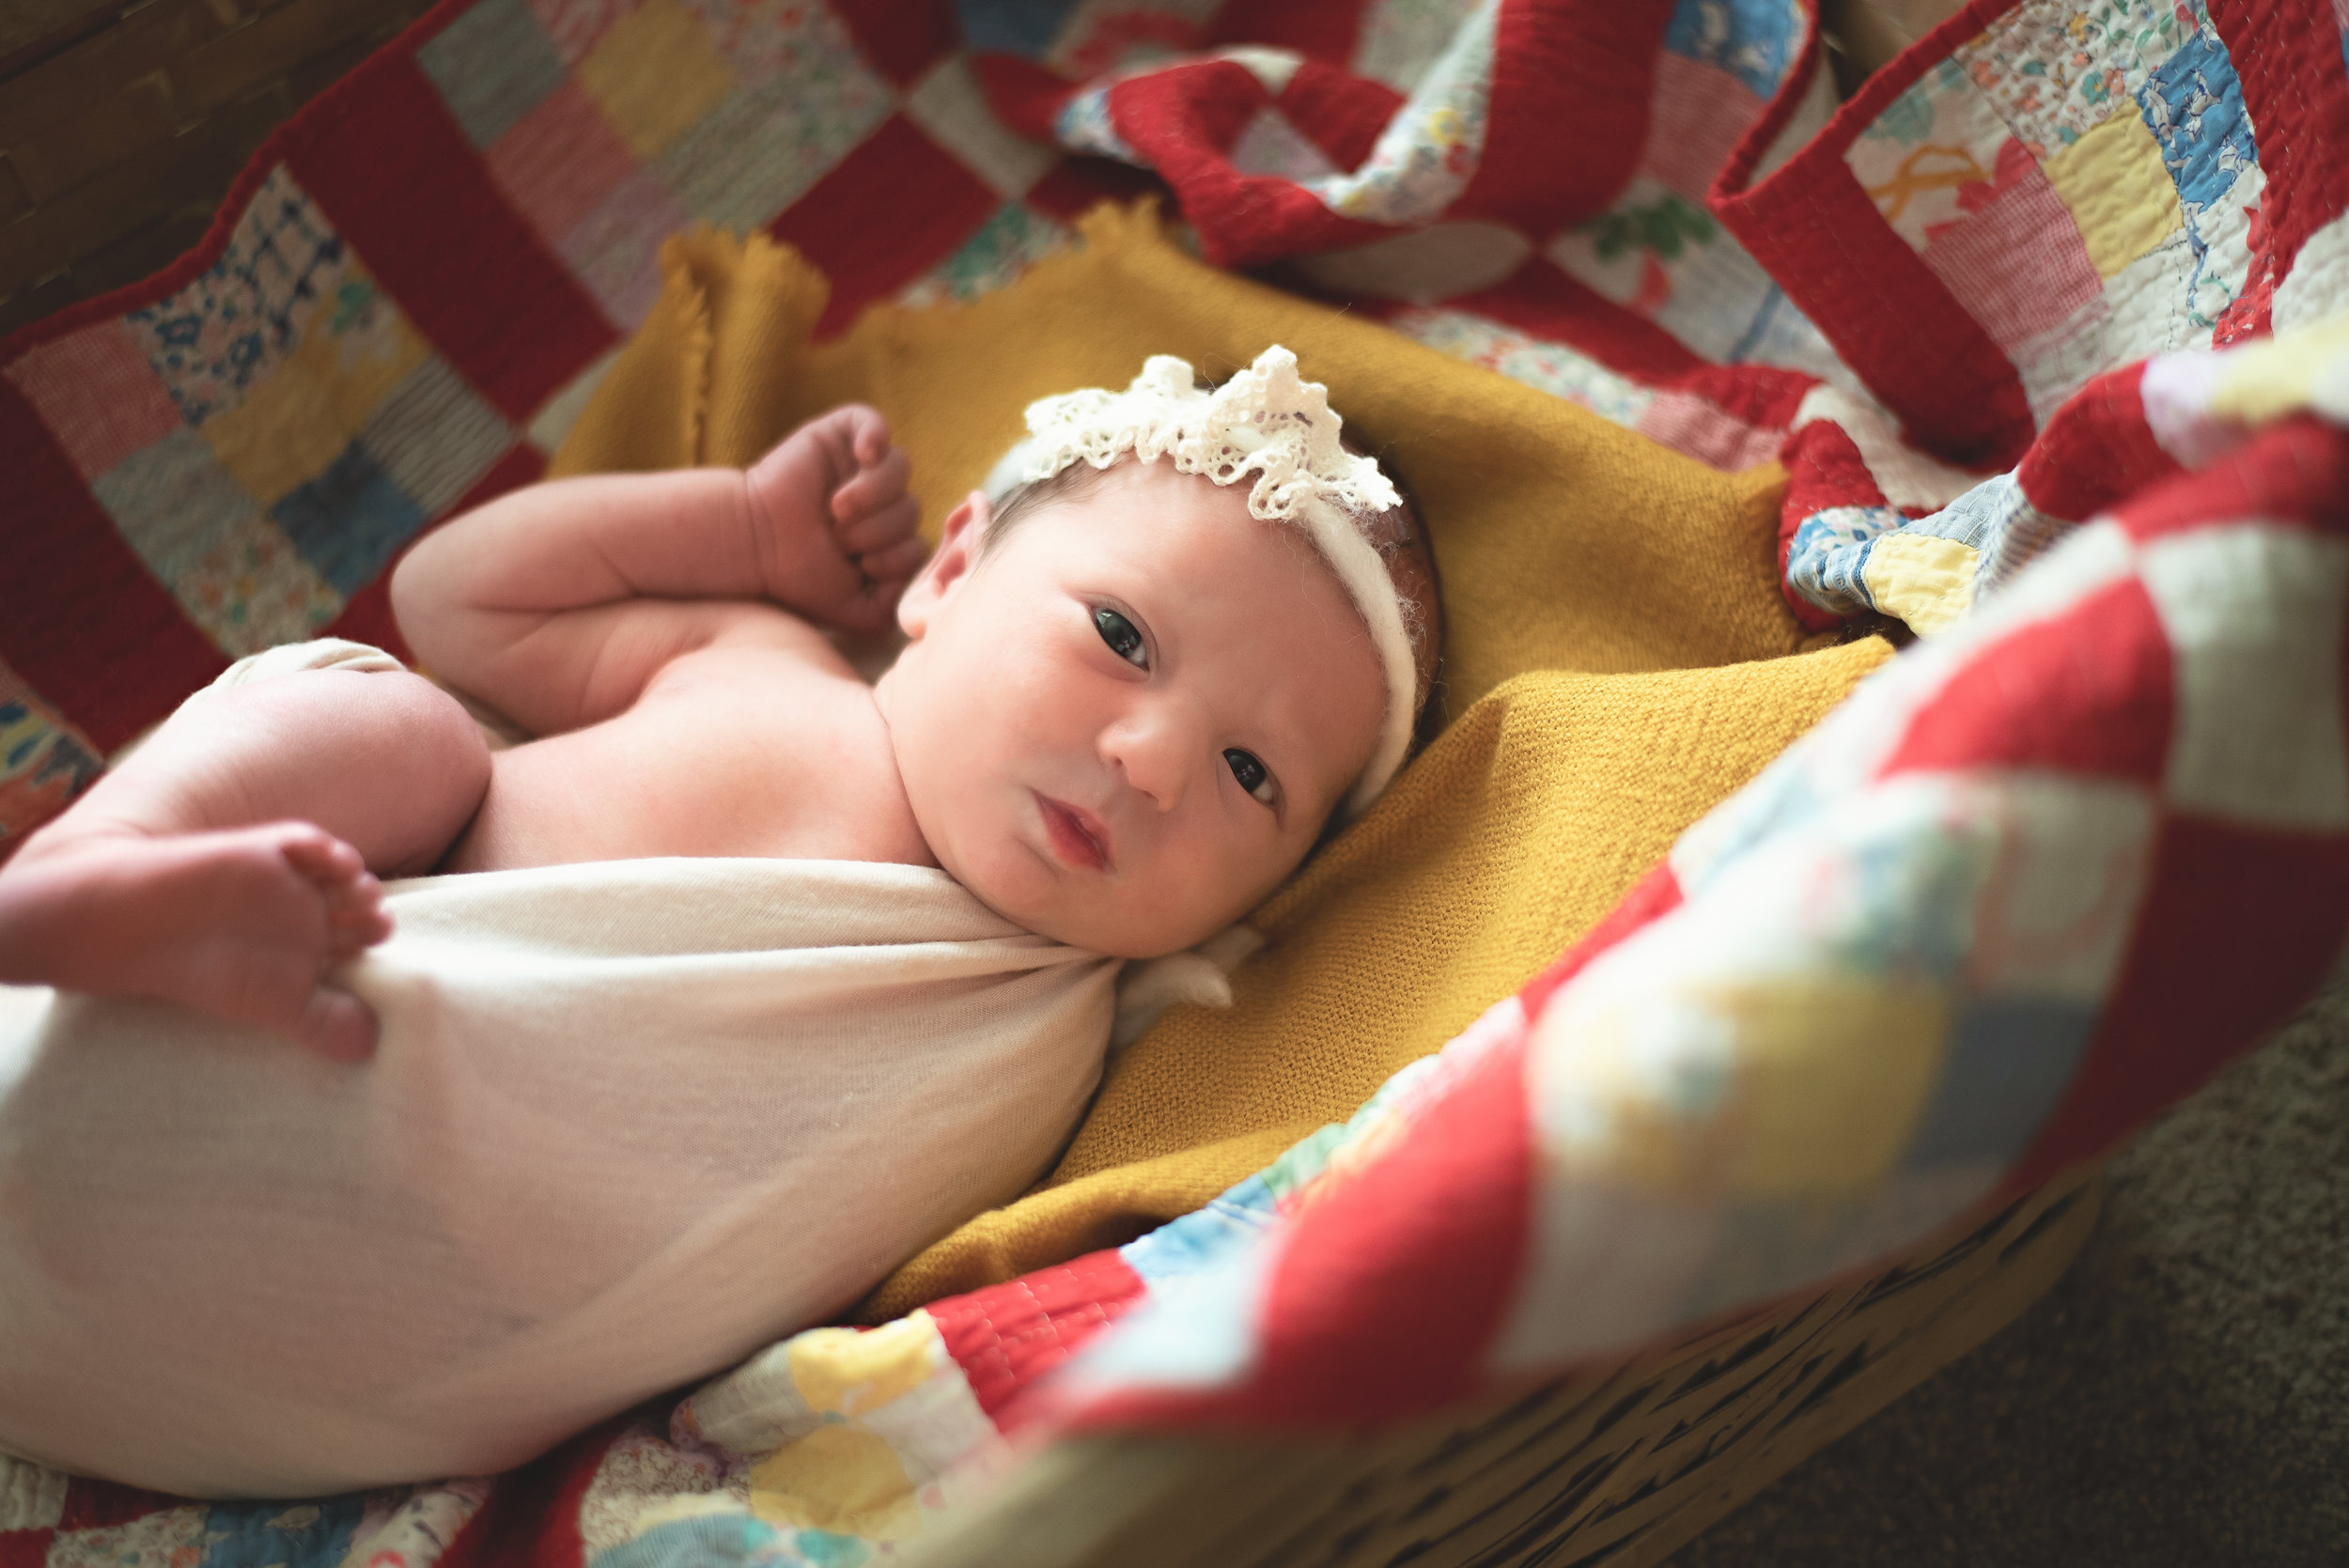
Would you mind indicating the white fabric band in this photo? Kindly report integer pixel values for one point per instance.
(1268, 421)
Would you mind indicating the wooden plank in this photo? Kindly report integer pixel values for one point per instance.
(221, 71)
(151, 186)
(147, 39)
(32, 26)
(111, 132)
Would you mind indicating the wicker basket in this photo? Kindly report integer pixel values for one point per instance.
(1621, 1468)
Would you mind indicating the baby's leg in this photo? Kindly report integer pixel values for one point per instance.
(226, 864)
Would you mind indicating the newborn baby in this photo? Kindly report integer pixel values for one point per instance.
(749, 979)
(1127, 707)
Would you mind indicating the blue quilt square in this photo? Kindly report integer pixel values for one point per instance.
(1024, 27)
(2010, 1060)
(2193, 104)
(349, 520)
(257, 1535)
(1754, 41)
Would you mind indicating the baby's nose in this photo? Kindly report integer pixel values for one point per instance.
(1157, 746)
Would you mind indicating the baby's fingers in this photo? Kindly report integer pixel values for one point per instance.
(881, 528)
(894, 564)
(873, 605)
(868, 432)
(872, 488)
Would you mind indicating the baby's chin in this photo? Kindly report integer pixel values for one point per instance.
(1112, 922)
(1140, 946)
(1097, 930)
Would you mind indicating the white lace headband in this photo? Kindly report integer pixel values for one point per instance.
(1266, 422)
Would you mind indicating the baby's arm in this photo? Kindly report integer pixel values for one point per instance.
(558, 602)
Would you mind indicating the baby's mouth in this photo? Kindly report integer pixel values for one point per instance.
(1078, 836)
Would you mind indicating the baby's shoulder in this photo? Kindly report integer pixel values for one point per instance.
(760, 652)
(781, 744)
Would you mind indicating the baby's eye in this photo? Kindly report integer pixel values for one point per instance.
(1251, 773)
(1124, 641)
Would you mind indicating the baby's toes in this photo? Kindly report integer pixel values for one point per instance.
(337, 1025)
(319, 855)
(355, 917)
(263, 983)
(349, 893)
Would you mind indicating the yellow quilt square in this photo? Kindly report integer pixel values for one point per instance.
(1927, 581)
(298, 422)
(2119, 190)
(1835, 1073)
(656, 75)
(839, 1479)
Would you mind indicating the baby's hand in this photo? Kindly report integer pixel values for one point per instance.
(836, 538)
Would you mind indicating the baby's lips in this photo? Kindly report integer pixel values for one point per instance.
(1077, 835)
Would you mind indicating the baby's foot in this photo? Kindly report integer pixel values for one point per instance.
(241, 923)
(837, 525)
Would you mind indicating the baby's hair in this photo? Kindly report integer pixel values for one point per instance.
(1397, 534)
(1030, 496)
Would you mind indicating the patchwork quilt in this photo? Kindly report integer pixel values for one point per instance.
(2038, 323)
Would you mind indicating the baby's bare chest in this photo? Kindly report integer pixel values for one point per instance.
(738, 752)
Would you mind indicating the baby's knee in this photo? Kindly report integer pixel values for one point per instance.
(432, 724)
(397, 718)
(383, 758)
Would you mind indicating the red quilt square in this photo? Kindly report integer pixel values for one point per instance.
(902, 40)
(2298, 99)
(1076, 185)
(2088, 692)
(1007, 1336)
(2015, 261)
(82, 619)
(25, 1548)
(560, 161)
(1343, 113)
(888, 212)
(400, 182)
(103, 1504)
(2237, 928)
(98, 395)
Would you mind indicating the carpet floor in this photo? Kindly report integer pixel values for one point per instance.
(2181, 1396)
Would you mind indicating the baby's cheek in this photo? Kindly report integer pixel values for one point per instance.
(1208, 885)
(1274, 865)
(1005, 875)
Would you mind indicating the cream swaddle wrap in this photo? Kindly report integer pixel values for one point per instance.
(628, 1122)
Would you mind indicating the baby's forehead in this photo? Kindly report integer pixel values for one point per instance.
(1156, 515)
(1131, 474)
(1132, 500)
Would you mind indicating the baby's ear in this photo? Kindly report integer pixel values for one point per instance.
(959, 539)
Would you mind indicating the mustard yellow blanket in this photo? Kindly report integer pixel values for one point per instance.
(1617, 659)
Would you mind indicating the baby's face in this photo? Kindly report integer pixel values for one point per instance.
(1126, 723)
